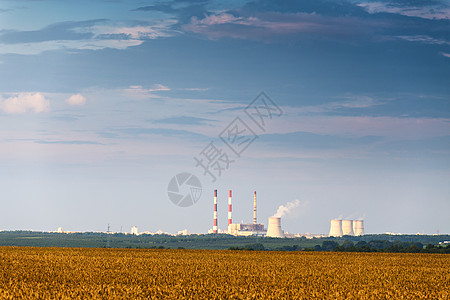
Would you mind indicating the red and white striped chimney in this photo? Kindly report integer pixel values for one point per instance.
(254, 207)
(215, 212)
(229, 209)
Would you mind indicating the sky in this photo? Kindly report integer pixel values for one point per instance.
(342, 107)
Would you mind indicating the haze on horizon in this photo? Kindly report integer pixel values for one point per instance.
(103, 102)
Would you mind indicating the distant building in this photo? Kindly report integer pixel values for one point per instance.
(134, 230)
(183, 232)
(239, 229)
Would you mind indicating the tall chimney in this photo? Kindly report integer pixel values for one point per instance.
(215, 212)
(229, 209)
(254, 208)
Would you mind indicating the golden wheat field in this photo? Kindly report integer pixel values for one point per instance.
(74, 273)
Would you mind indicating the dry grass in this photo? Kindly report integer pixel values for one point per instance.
(68, 273)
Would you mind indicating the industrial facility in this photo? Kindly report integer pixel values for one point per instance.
(237, 229)
(340, 228)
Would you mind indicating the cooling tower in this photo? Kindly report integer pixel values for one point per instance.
(358, 227)
(347, 227)
(274, 228)
(336, 228)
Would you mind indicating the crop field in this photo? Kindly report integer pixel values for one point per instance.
(82, 273)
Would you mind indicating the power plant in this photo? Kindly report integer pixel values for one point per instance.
(237, 229)
(339, 227)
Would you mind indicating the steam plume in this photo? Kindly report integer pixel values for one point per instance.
(289, 207)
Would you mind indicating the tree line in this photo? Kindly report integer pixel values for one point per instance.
(361, 246)
(381, 246)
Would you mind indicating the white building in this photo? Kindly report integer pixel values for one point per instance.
(134, 230)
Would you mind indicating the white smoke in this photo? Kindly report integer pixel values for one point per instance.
(290, 207)
(352, 216)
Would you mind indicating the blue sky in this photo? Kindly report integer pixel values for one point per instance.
(103, 102)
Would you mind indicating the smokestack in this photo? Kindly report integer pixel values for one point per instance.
(229, 210)
(358, 227)
(274, 228)
(254, 207)
(336, 228)
(215, 212)
(347, 227)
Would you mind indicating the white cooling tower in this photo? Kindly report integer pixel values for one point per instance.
(274, 228)
(358, 227)
(336, 228)
(347, 227)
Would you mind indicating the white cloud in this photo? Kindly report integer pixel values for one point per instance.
(445, 54)
(76, 100)
(25, 102)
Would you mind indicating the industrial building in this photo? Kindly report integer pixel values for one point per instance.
(240, 229)
(134, 230)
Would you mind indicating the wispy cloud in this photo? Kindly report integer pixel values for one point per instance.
(158, 87)
(167, 132)
(184, 120)
(424, 39)
(272, 25)
(140, 92)
(428, 9)
(25, 102)
(37, 48)
(344, 102)
(196, 89)
(139, 32)
(68, 142)
(86, 35)
(445, 54)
